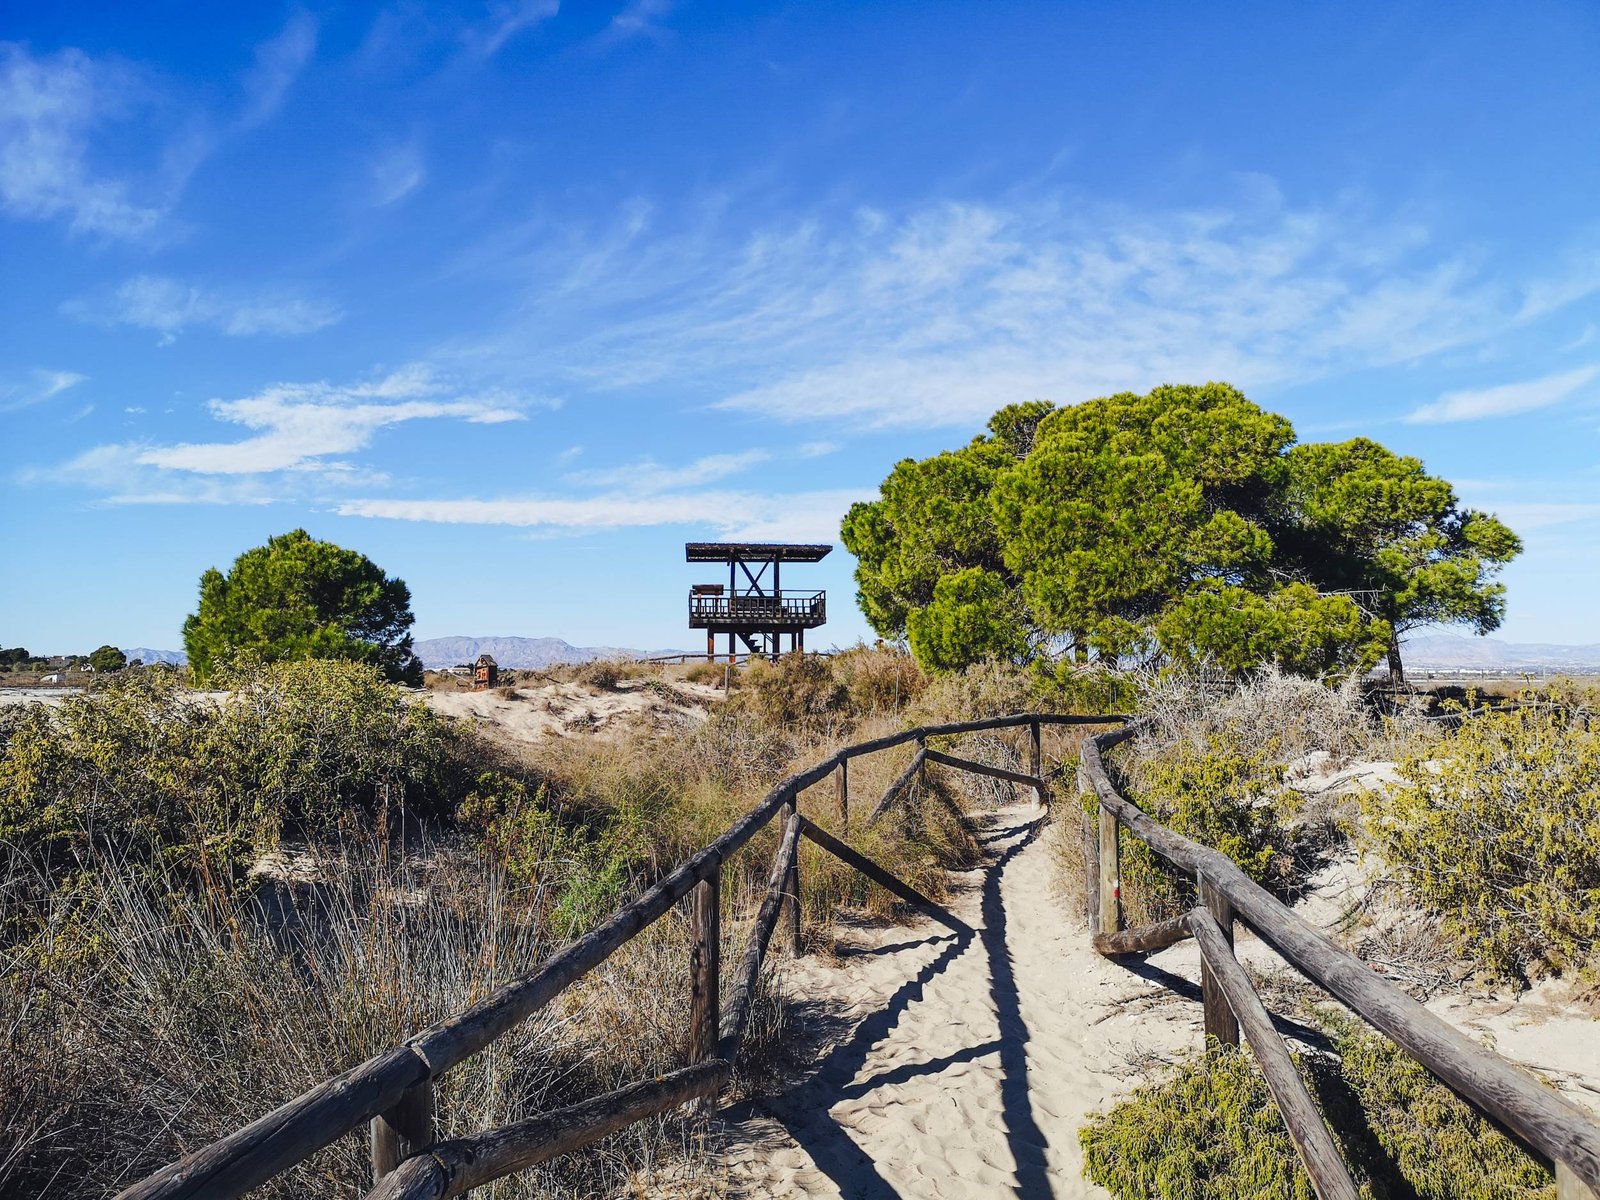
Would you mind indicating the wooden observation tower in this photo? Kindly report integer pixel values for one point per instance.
(752, 610)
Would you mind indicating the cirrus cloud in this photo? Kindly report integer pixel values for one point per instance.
(169, 306)
(1506, 400)
(937, 314)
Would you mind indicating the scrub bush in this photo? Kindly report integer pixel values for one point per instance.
(1498, 832)
(165, 778)
(1212, 1130)
(1222, 795)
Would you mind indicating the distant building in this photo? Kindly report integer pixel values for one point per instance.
(485, 673)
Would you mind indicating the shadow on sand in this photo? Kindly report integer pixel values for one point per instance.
(831, 1148)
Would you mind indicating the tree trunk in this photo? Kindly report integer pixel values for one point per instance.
(1397, 670)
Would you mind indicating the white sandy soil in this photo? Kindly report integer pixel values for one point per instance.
(964, 1066)
(547, 710)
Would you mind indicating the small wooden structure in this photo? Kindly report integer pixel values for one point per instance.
(485, 673)
(751, 609)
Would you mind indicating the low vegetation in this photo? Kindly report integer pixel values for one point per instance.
(1210, 1131)
(1212, 764)
(1493, 833)
(1498, 832)
(212, 901)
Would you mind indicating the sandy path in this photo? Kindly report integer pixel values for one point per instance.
(963, 1067)
(956, 1066)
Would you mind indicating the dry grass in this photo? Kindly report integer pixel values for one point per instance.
(147, 1012)
(1286, 716)
(146, 1023)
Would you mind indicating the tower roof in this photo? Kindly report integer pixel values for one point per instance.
(754, 552)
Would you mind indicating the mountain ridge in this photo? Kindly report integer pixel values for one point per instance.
(1439, 651)
(526, 653)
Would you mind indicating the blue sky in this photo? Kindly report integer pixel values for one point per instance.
(515, 298)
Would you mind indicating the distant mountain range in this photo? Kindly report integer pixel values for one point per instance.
(523, 652)
(1438, 651)
(527, 653)
(1445, 651)
(146, 655)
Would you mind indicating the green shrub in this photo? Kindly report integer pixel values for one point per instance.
(571, 874)
(162, 778)
(1428, 1142)
(1212, 1130)
(797, 689)
(1224, 796)
(1498, 832)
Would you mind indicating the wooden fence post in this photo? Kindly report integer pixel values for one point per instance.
(1220, 1022)
(1569, 1186)
(1035, 754)
(841, 784)
(705, 968)
(1110, 873)
(1091, 872)
(792, 887)
(404, 1130)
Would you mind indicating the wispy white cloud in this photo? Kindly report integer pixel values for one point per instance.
(298, 430)
(938, 315)
(28, 388)
(818, 449)
(54, 113)
(50, 109)
(278, 63)
(1505, 400)
(639, 18)
(1535, 515)
(649, 477)
(395, 174)
(801, 516)
(169, 306)
(505, 20)
(302, 423)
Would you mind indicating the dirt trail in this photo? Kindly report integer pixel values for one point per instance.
(957, 1066)
(963, 1066)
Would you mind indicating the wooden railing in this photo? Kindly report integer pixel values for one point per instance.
(1558, 1132)
(394, 1090)
(773, 608)
(392, 1093)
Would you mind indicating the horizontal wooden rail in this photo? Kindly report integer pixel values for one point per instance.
(271, 1144)
(457, 1166)
(978, 768)
(897, 788)
(922, 733)
(1146, 939)
(883, 878)
(1556, 1129)
(1330, 1178)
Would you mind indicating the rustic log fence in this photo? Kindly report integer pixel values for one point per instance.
(392, 1093)
(1552, 1128)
